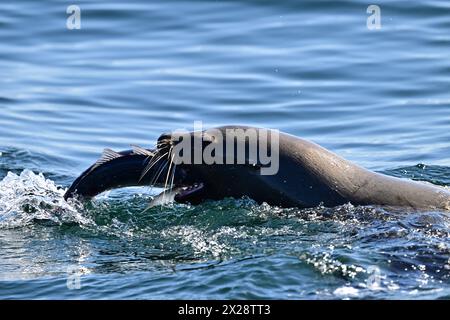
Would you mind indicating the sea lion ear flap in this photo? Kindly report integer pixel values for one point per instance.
(107, 155)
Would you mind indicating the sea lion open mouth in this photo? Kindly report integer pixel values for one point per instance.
(190, 193)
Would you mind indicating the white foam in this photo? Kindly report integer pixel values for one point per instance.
(29, 196)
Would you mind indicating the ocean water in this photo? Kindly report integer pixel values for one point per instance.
(134, 70)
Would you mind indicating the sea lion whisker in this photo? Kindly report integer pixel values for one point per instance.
(147, 168)
(151, 165)
(173, 175)
(159, 170)
(157, 175)
(170, 157)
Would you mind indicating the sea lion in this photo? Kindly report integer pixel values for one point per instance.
(307, 175)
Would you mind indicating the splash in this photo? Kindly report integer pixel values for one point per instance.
(30, 197)
(200, 241)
